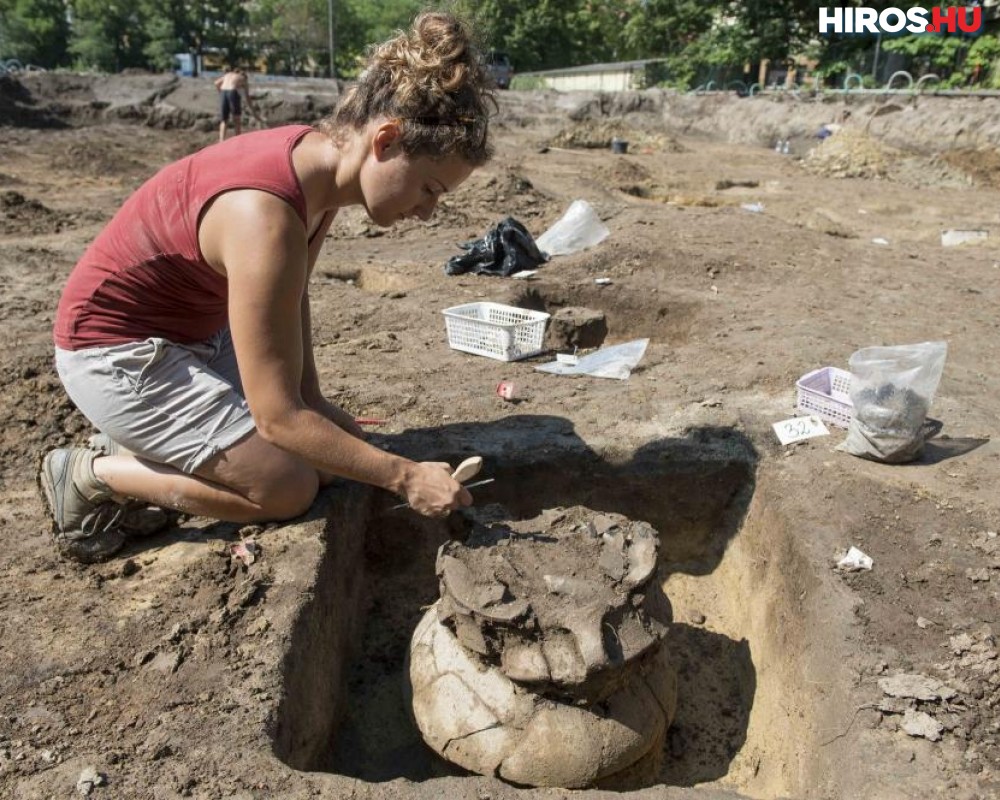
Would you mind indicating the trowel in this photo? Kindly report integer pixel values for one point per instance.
(468, 469)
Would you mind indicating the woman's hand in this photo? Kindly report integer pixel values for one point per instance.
(338, 417)
(430, 490)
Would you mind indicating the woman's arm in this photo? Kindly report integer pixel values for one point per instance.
(312, 393)
(261, 244)
(310, 379)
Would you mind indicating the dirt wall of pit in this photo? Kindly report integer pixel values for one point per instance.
(926, 123)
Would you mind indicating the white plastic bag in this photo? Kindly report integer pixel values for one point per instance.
(577, 229)
(616, 361)
(892, 389)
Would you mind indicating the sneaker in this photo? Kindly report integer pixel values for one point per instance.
(85, 517)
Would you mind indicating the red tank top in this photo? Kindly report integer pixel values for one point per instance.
(144, 275)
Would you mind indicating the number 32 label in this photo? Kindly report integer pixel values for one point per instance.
(796, 429)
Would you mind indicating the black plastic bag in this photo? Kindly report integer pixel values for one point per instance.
(505, 249)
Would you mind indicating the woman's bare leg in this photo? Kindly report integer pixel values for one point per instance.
(252, 481)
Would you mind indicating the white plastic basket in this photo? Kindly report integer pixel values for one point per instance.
(505, 333)
(826, 392)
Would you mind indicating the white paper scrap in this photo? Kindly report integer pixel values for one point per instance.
(953, 238)
(855, 561)
(797, 429)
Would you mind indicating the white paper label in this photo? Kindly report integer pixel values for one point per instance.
(796, 429)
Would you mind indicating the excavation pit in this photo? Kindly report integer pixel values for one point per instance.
(697, 490)
(632, 308)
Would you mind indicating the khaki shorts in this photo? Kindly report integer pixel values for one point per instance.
(177, 404)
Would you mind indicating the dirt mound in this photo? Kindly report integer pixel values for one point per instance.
(162, 101)
(487, 198)
(19, 214)
(855, 154)
(17, 107)
(981, 165)
(617, 104)
(849, 154)
(597, 135)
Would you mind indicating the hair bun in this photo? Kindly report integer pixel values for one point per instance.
(431, 75)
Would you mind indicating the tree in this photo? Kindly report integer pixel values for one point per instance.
(107, 35)
(34, 32)
(163, 37)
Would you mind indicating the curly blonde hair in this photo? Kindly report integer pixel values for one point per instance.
(432, 80)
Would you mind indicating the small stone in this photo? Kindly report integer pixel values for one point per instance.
(129, 568)
(88, 780)
(698, 619)
(978, 575)
(960, 644)
(258, 626)
(917, 723)
(166, 663)
(923, 623)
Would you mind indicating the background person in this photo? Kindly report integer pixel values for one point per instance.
(183, 333)
(232, 87)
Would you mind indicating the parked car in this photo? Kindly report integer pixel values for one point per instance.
(499, 66)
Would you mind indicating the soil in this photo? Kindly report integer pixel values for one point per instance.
(177, 670)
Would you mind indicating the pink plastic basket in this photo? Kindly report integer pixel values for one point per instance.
(826, 392)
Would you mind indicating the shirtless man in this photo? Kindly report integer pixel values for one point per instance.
(232, 84)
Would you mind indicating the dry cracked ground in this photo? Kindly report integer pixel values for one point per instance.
(177, 670)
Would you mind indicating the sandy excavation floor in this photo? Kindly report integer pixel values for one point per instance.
(173, 671)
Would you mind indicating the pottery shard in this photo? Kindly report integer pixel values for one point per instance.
(553, 605)
(918, 687)
(525, 662)
(475, 716)
(574, 326)
(917, 723)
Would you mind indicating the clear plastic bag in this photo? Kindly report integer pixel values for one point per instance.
(577, 229)
(892, 389)
(616, 361)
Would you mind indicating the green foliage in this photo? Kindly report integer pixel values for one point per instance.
(162, 40)
(696, 40)
(34, 32)
(291, 35)
(362, 23)
(107, 35)
(936, 50)
(833, 70)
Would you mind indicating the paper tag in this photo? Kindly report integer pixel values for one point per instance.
(796, 429)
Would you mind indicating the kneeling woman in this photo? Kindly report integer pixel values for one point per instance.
(183, 333)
